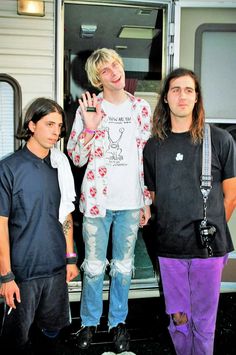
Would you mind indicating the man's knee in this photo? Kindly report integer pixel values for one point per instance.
(179, 318)
(124, 267)
(93, 268)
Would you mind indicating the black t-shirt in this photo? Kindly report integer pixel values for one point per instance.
(30, 198)
(172, 169)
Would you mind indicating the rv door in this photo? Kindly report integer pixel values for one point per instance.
(143, 34)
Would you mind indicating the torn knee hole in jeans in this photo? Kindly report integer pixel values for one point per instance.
(125, 267)
(179, 318)
(94, 268)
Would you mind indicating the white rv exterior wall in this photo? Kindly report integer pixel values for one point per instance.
(191, 19)
(27, 50)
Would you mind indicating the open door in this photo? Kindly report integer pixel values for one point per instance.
(140, 35)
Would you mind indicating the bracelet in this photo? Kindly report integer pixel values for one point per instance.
(90, 131)
(69, 255)
(71, 260)
(7, 278)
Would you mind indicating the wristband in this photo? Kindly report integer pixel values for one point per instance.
(69, 255)
(90, 131)
(7, 278)
(72, 260)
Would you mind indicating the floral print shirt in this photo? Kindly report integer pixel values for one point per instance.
(94, 186)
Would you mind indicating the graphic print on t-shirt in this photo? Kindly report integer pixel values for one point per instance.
(114, 152)
(120, 134)
(121, 155)
(179, 156)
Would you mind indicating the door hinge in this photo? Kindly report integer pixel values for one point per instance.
(171, 48)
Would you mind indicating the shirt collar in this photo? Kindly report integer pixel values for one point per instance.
(35, 158)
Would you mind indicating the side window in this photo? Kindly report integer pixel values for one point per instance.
(10, 114)
(215, 64)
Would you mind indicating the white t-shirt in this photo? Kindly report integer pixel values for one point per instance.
(123, 189)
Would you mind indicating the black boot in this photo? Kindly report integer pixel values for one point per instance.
(84, 337)
(121, 338)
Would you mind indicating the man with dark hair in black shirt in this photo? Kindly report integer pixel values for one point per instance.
(193, 240)
(36, 231)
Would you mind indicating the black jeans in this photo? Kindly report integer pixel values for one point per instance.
(45, 302)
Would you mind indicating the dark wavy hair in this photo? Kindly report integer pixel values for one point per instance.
(161, 116)
(38, 109)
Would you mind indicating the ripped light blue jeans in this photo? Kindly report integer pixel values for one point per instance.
(96, 232)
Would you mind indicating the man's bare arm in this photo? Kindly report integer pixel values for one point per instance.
(229, 190)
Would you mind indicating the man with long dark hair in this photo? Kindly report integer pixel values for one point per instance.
(193, 240)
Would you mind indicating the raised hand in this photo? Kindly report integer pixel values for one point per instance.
(91, 110)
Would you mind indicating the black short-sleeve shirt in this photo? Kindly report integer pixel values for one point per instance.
(172, 168)
(30, 198)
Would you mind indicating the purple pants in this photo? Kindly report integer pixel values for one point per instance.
(192, 286)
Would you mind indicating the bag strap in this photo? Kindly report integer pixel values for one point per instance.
(206, 177)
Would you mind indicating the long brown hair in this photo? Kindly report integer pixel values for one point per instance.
(161, 116)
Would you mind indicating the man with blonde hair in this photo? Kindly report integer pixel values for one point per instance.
(109, 133)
